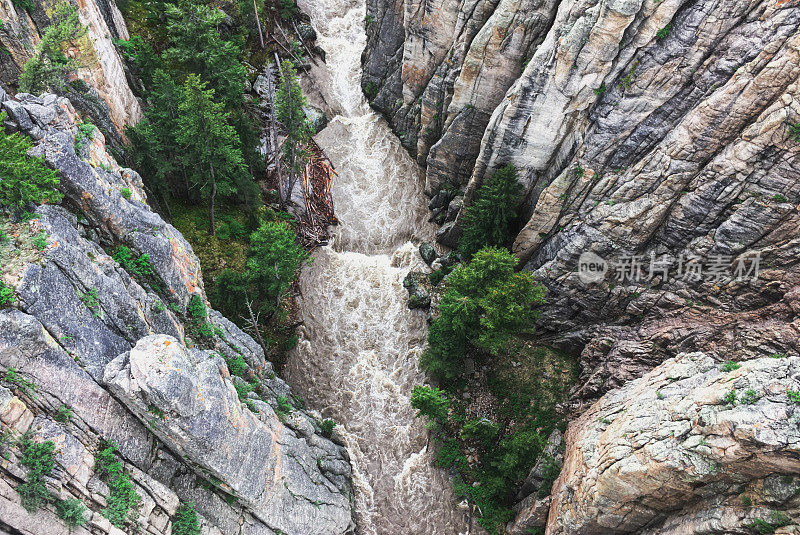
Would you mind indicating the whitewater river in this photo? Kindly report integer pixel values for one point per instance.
(357, 359)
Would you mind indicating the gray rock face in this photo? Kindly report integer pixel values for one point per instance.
(267, 466)
(76, 311)
(104, 74)
(682, 445)
(638, 128)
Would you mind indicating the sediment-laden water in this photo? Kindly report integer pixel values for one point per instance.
(357, 359)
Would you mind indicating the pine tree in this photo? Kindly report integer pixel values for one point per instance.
(289, 104)
(195, 46)
(156, 149)
(487, 221)
(23, 179)
(49, 65)
(210, 145)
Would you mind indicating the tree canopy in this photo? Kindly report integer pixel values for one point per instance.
(488, 220)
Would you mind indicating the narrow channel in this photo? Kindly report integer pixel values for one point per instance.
(357, 359)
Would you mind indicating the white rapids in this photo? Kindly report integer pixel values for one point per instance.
(357, 359)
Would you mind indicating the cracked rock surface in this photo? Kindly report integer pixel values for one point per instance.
(92, 337)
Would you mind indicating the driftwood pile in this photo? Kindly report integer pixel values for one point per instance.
(316, 181)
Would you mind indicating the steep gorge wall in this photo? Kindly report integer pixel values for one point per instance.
(109, 100)
(126, 356)
(638, 127)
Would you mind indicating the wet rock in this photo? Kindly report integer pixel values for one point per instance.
(307, 32)
(428, 253)
(418, 296)
(316, 117)
(454, 208)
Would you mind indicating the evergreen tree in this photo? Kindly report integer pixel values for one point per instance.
(487, 221)
(195, 46)
(156, 149)
(210, 146)
(485, 304)
(289, 104)
(273, 260)
(49, 66)
(23, 179)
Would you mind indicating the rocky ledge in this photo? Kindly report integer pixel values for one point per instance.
(124, 355)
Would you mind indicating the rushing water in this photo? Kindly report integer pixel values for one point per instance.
(357, 359)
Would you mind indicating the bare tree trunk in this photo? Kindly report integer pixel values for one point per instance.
(212, 229)
(292, 172)
(274, 130)
(254, 323)
(258, 24)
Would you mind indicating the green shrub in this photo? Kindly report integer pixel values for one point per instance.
(488, 219)
(663, 33)
(63, 414)
(122, 499)
(430, 402)
(749, 397)
(284, 405)
(730, 366)
(438, 275)
(486, 302)
(138, 266)
(83, 136)
(236, 365)
(371, 90)
(72, 512)
(779, 198)
(92, 301)
(38, 459)
(274, 259)
(288, 9)
(482, 430)
(794, 396)
(198, 318)
(27, 5)
(764, 527)
(6, 295)
(327, 426)
(185, 520)
(794, 132)
(730, 397)
(126, 192)
(26, 387)
(26, 179)
(40, 241)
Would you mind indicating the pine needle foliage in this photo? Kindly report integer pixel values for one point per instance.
(210, 146)
(485, 303)
(49, 66)
(488, 220)
(25, 179)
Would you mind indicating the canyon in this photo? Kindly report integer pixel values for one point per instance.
(646, 130)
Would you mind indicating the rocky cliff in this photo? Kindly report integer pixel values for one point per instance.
(100, 354)
(642, 130)
(101, 90)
